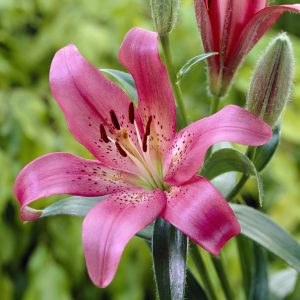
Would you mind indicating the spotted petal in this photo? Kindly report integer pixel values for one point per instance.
(139, 54)
(201, 212)
(94, 107)
(64, 173)
(231, 124)
(109, 226)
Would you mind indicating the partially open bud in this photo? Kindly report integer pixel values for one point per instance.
(164, 13)
(272, 80)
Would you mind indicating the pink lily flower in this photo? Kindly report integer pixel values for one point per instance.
(232, 28)
(147, 169)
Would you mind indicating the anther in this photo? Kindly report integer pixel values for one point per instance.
(147, 132)
(121, 150)
(114, 120)
(131, 113)
(145, 143)
(103, 134)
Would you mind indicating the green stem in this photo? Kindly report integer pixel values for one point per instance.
(219, 266)
(214, 105)
(172, 77)
(201, 268)
(251, 154)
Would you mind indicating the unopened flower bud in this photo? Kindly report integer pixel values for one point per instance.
(272, 80)
(164, 13)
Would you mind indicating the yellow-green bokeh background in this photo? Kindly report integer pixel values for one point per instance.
(44, 260)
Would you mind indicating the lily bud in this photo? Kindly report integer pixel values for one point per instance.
(164, 14)
(272, 80)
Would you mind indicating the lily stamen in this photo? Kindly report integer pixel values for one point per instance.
(114, 120)
(103, 134)
(131, 113)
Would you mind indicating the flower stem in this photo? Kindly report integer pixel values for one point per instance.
(219, 266)
(172, 77)
(251, 154)
(201, 268)
(214, 105)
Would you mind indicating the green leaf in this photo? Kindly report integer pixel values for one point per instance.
(227, 160)
(125, 81)
(261, 229)
(77, 206)
(296, 291)
(224, 183)
(194, 290)
(264, 153)
(245, 251)
(260, 285)
(283, 282)
(169, 248)
(190, 63)
(80, 206)
(146, 233)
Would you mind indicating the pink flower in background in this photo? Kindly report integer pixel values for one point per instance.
(232, 28)
(147, 169)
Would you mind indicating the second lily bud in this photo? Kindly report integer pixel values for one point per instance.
(272, 80)
(164, 13)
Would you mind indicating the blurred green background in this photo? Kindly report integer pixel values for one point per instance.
(44, 260)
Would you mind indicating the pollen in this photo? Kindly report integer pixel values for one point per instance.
(122, 134)
(169, 189)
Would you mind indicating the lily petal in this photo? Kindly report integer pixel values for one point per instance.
(139, 54)
(256, 27)
(200, 211)
(218, 14)
(231, 124)
(64, 173)
(210, 39)
(241, 12)
(109, 226)
(89, 101)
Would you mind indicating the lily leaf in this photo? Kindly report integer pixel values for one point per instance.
(264, 153)
(169, 248)
(296, 291)
(80, 206)
(76, 206)
(245, 250)
(146, 233)
(259, 285)
(261, 229)
(226, 181)
(194, 290)
(283, 283)
(125, 81)
(190, 63)
(227, 160)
